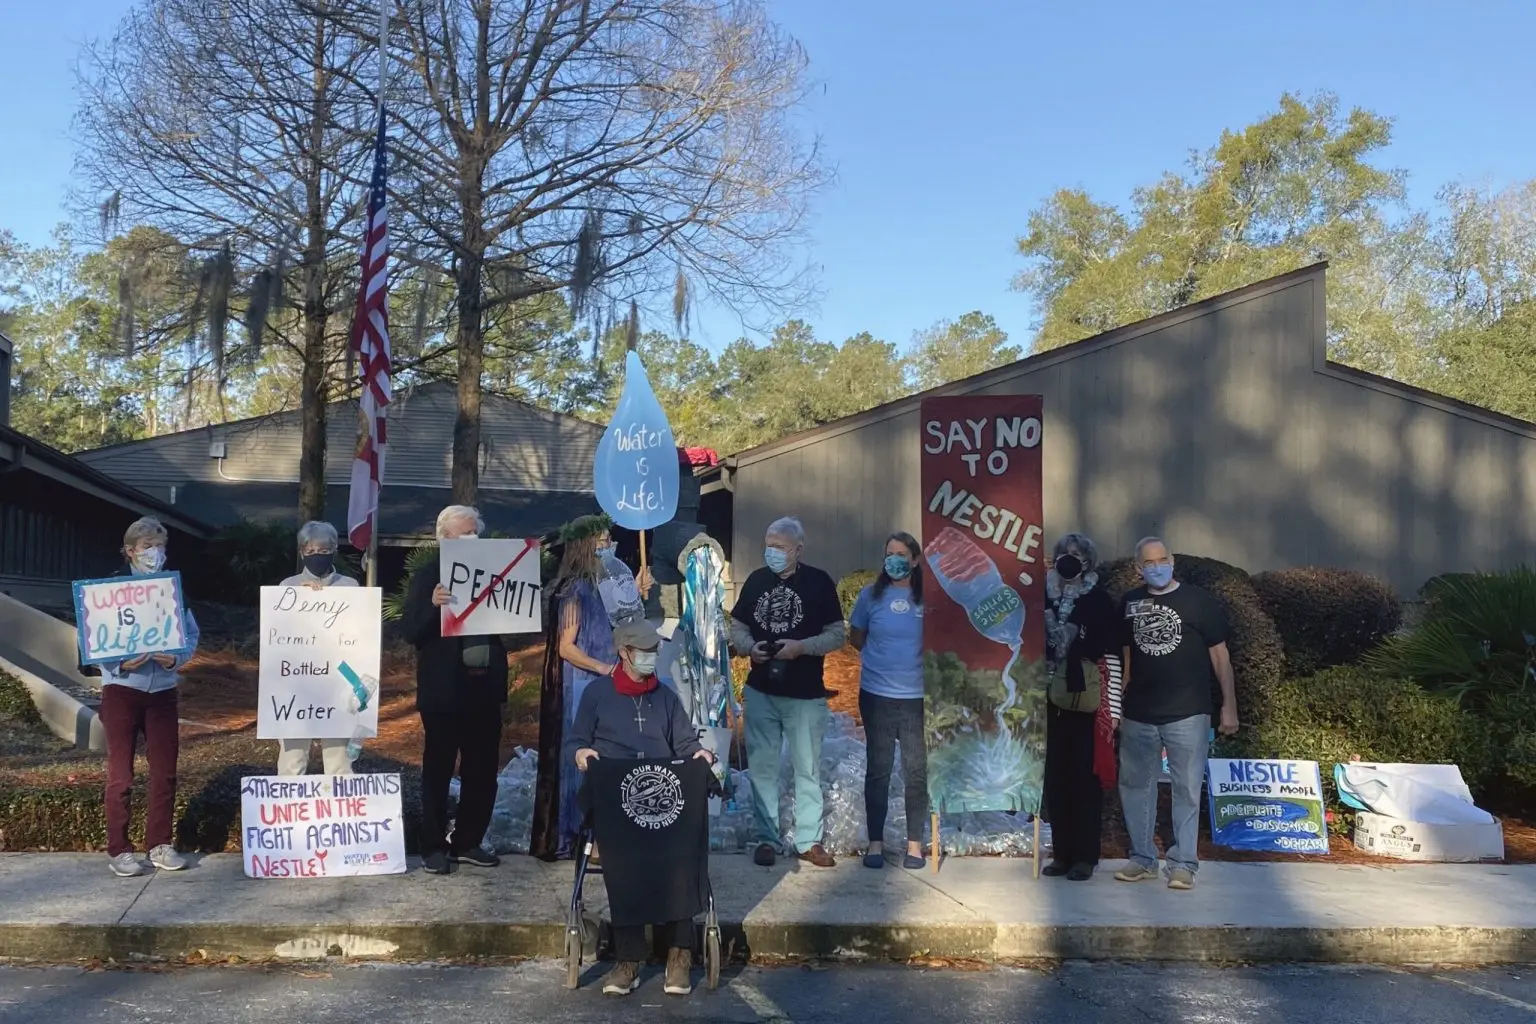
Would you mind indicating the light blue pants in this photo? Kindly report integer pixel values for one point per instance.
(1141, 747)
(770, 723)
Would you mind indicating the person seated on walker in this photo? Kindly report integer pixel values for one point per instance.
(630, 715)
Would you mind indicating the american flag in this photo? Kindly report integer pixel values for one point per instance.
(370, 344)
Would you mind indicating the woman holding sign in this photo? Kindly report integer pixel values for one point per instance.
(317, 549)
(138, 696)
(579, 649)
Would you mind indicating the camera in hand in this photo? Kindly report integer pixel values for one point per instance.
(777, 669)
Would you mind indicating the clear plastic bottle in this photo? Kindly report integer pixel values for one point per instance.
(358, 704)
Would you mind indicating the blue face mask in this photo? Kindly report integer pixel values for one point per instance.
(897, 567)
(1157, 576)
(606, 551)
(775, 559)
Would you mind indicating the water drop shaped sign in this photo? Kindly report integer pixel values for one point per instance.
(635, 473)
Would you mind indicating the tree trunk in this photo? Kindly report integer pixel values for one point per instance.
(471, 344)
(312, 390)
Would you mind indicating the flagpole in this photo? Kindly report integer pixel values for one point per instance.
(371, 559)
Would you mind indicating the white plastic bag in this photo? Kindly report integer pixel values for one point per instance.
(1434, 794)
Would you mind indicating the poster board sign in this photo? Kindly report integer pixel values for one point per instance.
(635, 472)
(321, 826)
(495, 586)
(1267, 805)
(319, 660)
(122, 617)
(983, 623)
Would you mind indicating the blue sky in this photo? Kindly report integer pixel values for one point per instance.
(948, 122)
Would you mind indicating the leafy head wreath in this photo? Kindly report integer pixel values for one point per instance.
(584, 527)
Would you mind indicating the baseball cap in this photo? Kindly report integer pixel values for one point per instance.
(636, 633)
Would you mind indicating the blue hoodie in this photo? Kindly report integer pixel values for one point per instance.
(152, 677)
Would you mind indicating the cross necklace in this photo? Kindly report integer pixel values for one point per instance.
(639, 718)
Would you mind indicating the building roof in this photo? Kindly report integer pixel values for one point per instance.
(1129, 332)
(38, 457)
(405, 512)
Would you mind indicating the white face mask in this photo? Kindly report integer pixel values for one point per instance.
(150, 560)
(644, 663)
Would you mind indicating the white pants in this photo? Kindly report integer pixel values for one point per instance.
(293, 757)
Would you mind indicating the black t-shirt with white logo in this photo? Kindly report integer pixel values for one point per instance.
(1170, 637)
(796, 608)
(651, 819)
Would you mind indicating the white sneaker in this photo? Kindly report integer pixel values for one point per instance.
(167, 859)
(126, 865)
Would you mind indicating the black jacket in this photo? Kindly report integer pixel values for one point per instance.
(443, 684)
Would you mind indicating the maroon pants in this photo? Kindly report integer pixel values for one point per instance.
(125, 714)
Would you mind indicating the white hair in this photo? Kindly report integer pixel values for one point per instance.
(788, 528)
(453, 513)
(1142, 544)
(321, 533)
(149, 528)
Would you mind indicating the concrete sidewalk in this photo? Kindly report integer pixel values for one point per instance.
(68, 906)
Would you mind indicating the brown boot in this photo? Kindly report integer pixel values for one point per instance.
(679, 963)
(819, 856)
(622, 980)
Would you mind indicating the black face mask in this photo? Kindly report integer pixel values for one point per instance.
(320, 566)
(1069, 567)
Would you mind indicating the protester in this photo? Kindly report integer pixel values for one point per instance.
(787, 619)
(139, 696)
(1083, 637)
(628, 714)
(886, 628)
(461, 685)
(578, 650)
(1174, 637)
(317, 548)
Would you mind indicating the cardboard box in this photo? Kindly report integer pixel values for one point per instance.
(1415, 840)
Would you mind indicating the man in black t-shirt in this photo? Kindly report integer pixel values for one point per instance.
(787, 619)
(1175, 639)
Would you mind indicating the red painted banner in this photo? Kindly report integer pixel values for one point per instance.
(984, 603)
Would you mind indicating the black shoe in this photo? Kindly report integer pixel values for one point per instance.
(437, 863)
(1081, 872)
(1055, 869)
(476, 858)
(764, 856)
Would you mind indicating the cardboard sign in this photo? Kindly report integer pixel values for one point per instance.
(1267, 805)
(984, 612)
(321, 826)
(495, 586)
(123, 617)
(319, 664)
(635, 472)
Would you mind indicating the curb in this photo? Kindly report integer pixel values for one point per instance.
(787, 940)
(65, 717)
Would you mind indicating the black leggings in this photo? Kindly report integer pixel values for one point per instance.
(629, 943)
(887, 722)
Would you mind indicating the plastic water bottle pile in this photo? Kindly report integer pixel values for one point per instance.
(733, 831)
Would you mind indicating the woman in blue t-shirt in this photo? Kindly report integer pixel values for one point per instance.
(887, 630)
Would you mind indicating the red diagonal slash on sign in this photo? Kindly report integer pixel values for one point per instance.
(454, 623)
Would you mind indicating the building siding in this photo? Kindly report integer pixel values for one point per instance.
(1221, 427)
(524, 448)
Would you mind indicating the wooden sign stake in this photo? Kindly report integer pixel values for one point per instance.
(935, 827)
(1037, 845)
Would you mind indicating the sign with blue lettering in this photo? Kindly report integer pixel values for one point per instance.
(123, 617)
(635, 472)
(1275, 806)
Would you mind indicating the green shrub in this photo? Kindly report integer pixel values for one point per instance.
(1327, 617)
(16, 702)
(1476, 641)
(850, 586)
(394, 604)
(241, 559)
(1258, 656)
(1348, 712)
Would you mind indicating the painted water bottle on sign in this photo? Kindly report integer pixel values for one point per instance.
(973, 581)
(365, 689)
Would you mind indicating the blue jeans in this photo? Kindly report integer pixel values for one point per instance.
(770, 723)
(1141, 746)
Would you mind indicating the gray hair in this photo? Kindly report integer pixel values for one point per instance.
(788, 528)
(148, 528)
(321, 533)
(456, 512)
(1141, 544)
(1087, 550)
